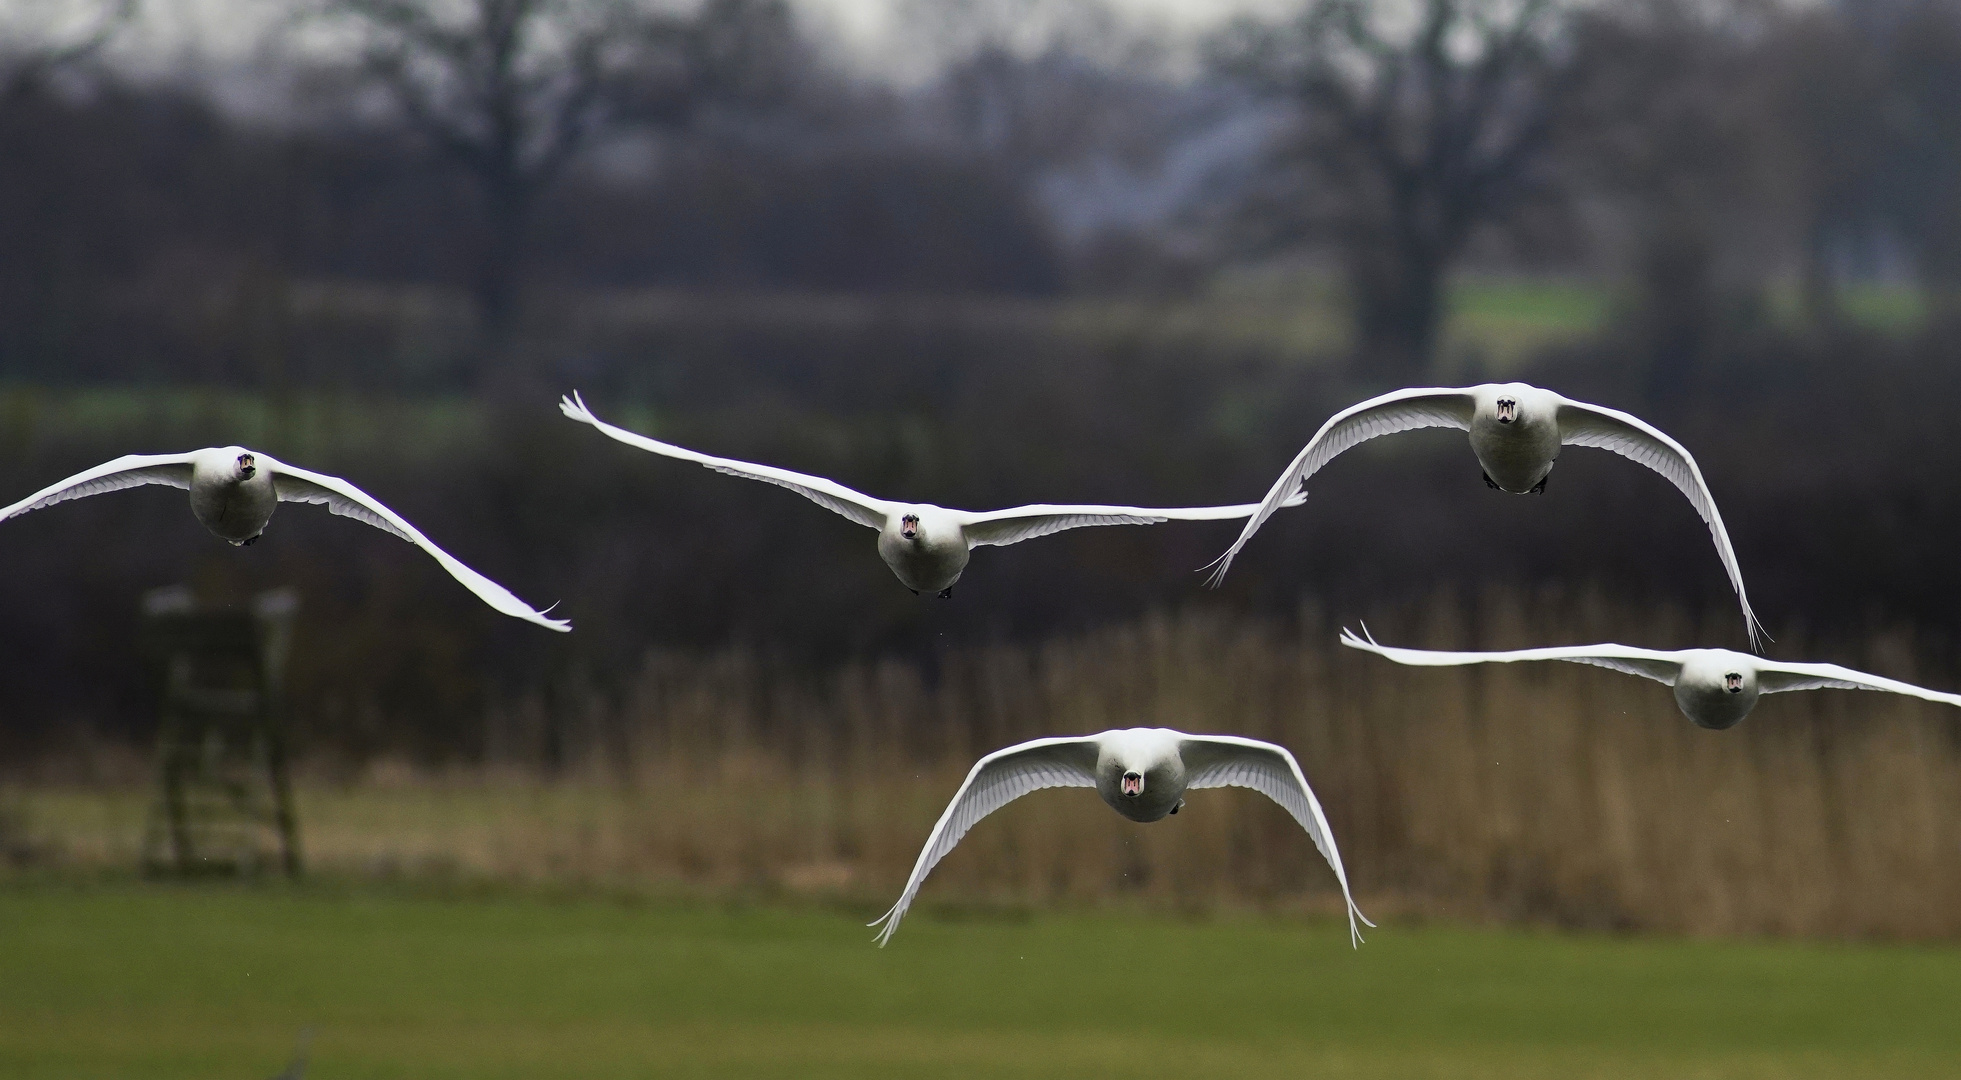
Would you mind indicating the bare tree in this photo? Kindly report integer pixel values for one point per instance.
(513, 90)
(1404, 141)
(25, 66)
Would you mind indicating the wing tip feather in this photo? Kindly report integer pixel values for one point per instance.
(574, 406)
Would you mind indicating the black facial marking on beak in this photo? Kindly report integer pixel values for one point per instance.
(1131, 785)
(1733, 682)
(1507, 410)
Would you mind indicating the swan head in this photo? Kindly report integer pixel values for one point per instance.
(245, 465)
(1733, 682)
(909, 526)
(1131, 784)
(1507, 409)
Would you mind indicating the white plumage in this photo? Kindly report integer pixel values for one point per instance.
(926, 546)
(1516, 431)
(234, 492)
(1143, 773)
(1714, 688)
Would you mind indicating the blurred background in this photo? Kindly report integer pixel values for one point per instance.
(982, 253)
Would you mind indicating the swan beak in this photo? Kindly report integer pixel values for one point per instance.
(1132, 784)
(247, 465)
(909, 527)
(1733, 682)
(1507, 410)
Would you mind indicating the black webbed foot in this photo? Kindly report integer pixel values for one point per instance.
(1180, 806)
(1488, 481)
(946, 593)
(915, 592)
(248, 541)
(1540, 487)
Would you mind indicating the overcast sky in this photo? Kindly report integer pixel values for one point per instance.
(224, 31)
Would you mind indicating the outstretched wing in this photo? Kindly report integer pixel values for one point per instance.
(828, 494)
(1003, 527)
(302, 486)
(1662, 667)
(1229, 761)
(995, 781)
(1582, 424)
(1401, 410)
(130, 470)
(1777, 678)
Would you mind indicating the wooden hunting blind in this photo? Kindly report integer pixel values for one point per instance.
(224, 797)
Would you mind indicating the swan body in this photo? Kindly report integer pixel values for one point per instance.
(1143, 774)
(234, 492)
(230, 494)
(1714, 688)
(926, 546)
(1516, 430)
(1517, 446)
(928, 557)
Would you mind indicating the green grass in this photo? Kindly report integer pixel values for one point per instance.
(160, 981)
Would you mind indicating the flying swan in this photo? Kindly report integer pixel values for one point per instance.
(1143, 773)
(234, 492)
(1516, 431)
(926, 546)
(1714, 688)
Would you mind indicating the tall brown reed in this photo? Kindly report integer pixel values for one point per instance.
(1537, 792)
(1545, 792)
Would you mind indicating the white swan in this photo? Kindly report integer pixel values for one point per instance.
(1143, 774)
(926, 546)
(234, 492)
(1714, 688)
(1516, 431)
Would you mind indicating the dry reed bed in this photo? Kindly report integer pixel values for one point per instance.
(1526, 792)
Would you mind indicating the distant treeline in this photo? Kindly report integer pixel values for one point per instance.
(771, 257)
(1693, 152)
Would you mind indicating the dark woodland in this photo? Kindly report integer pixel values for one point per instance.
(725, 237)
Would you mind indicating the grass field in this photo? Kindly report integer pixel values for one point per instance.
(129, 980)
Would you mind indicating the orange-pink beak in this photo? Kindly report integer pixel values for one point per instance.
(1131, 784)
(909, 526)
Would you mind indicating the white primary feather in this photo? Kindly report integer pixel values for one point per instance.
(996, 528)
(1776, 677)
(995, 781)
(1399, 410)
(1662, 667)
(1584, 424)
(829, 494)
(130, 470)
(1213, 761)
(1003, 527)
(1205, 761)
(1773, 676)
(299, 485)
(293, 484)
